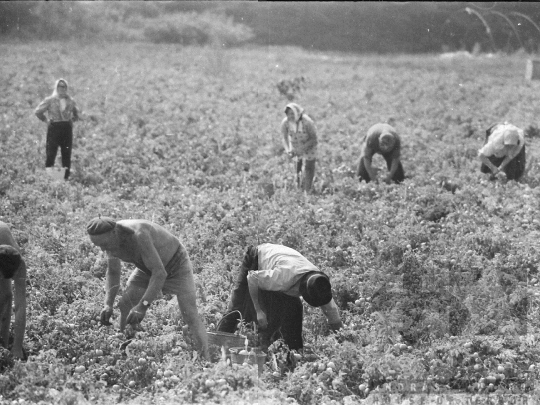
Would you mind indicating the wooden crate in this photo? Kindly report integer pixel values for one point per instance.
(532, 70)
(254, 356)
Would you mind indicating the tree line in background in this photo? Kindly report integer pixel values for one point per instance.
(374, 27)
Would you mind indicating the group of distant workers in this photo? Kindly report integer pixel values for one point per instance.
(504, 149)
(271, 278)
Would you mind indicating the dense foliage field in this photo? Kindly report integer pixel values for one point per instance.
(437, 278)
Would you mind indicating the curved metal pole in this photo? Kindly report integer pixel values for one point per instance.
(488, 29)
(527, 18)
(510, 23)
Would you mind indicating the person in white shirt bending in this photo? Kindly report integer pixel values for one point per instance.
(504, 150)
(270, 282)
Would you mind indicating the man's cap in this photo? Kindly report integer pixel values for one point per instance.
(511, 137)
(10, 260)
(100, 225)
(316, 289)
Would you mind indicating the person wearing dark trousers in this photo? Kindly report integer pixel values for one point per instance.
(300, 141)
(383, 139)
(13, 275)
(269, 284)
(503, 151)
(61, 112)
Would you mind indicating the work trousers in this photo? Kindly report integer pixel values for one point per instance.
(305, 172)
(59, 134)
(284, 313)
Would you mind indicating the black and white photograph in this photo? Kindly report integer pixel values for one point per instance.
(269, 202)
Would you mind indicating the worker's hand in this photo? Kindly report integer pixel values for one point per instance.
(387, 179)
(105, 315)
(261, 320)
(136, 315)
(336, 326)
(495, 171)
(291, 154)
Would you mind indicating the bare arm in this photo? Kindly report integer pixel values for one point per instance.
(367, 153)
(152, 260)
(395, 164)
(253, 286)
(112, 281)
(20, 311)
(513, 153)
(485, 160)
(331, 312)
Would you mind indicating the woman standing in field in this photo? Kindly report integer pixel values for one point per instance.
(504, 150)
(61, 112)
(300, 141)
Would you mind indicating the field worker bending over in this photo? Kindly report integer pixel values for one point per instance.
(382, 139)
(12, 267)
(504, 150)
(61, 112)
(162, 263)
(300, 141)
(270, 282)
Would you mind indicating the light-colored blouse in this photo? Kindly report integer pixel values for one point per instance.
(58, 109)
(495, 144)
(300, 135)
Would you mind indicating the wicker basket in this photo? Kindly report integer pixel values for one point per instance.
(226, 339)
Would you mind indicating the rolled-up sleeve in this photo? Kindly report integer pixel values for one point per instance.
(41, 108)
(486, 150)
(271, 280)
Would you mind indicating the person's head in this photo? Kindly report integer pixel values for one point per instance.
(511, 137)
(293, 112)
(10, 260)
(60, 88)
(387, 141)
(105, 233)
(316, 289)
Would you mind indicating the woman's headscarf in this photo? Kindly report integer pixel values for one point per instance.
(55, 91)
(296, 109)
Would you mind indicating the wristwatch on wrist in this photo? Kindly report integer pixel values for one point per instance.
(146, 303)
